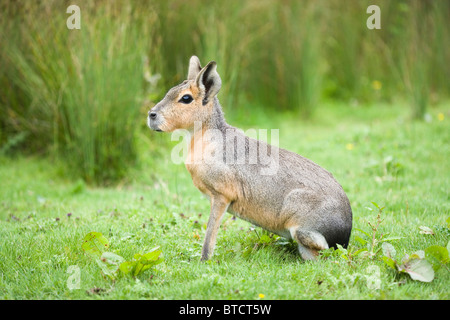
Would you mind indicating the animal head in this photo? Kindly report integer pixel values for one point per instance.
(188, 102)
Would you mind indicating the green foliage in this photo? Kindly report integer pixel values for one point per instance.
(420, 265)
(367, 245)
(262, 240)
(75, 93)
(82, 95)
(415, 264)
(12, 142)
(141, 262)
(438, 256)
(374, 240)
(41, 242)
(110, 263)
(95, 245)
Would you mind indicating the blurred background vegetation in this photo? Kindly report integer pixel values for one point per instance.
(82, 95)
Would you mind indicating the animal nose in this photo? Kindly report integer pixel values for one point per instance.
(152, 114)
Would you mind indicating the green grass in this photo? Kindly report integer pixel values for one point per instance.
(393, 161)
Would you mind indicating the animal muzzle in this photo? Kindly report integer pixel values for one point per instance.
(153, 121)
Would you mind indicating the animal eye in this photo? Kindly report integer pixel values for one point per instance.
(186, 99)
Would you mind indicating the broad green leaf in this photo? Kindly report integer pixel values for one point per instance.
(111, 257)
(437, 256)
(141, 262)
(127, 266)
(94, 243)
(419, 269)
(153, 257)
(149, 260)
(109, 263)
(388, 250)
(389, 261)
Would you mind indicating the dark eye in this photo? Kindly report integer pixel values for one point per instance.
(186, 99)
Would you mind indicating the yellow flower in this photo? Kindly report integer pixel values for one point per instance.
(261, 295)
(349, 146)
(441, 116)
(376, 85)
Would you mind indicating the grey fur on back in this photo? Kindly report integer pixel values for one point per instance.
(273, 188)
(306, 187)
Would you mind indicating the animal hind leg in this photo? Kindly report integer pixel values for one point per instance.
(309, 242)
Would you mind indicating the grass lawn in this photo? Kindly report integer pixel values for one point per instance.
(376, 152)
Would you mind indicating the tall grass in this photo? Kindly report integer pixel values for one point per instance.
(80, 90)
(79, 94)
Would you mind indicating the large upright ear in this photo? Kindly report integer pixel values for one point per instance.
(194, 68)
(208, 81)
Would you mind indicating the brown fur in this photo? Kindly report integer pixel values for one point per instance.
(299, 200)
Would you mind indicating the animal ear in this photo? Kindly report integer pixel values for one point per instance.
(208, 81)
(194, 68)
